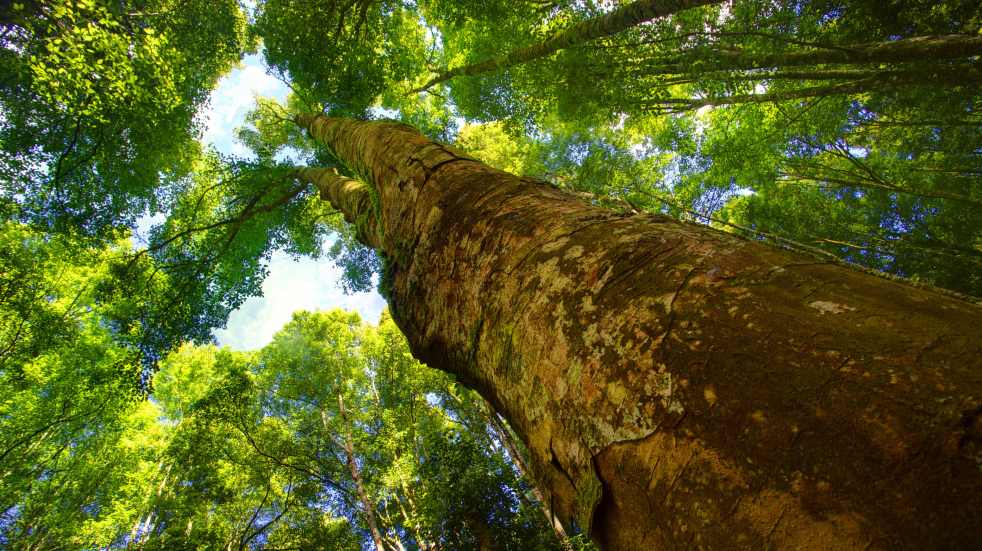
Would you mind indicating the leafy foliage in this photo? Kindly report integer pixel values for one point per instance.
(255, 449)
(69, 382)
(99, 101)
(352, 50)
(779, 128)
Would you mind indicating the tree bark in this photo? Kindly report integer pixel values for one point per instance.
(886, 81)
(620, 19)
(351, 197)
(923, 49)
(677, 386)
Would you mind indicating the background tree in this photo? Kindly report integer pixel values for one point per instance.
(72, 376)
(330, 437)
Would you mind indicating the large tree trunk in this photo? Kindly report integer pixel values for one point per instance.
(620, 19)
(677, 386)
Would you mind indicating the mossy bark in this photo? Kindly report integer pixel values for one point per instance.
(677, 386)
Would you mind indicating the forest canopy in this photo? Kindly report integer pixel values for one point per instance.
(845, 131)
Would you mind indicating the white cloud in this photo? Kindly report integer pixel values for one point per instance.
(233, 98)
(303, 284)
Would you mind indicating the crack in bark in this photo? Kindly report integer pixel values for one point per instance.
(554, 461)
(671, 308)
(476, 338)
(538, 244)
(675, 480)
(780, 517)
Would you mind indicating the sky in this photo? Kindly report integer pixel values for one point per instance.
(292, 284)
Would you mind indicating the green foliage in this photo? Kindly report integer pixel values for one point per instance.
(350, 51)
(70, 384)
(255, 449)
(99, 101)
(742, 117)
(602, 165)
(210, 253)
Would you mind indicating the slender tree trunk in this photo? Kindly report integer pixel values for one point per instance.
(677, 386)
(886, 81)
(134, 531)
(413, 521)
(410, 521)
(397, 544)
(620, 19)
(817, 178)
(919, 49)
(922, 49)
(351, 197)
(143, 532)
(366, 503)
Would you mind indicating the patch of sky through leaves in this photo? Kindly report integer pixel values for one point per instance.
(292, 284)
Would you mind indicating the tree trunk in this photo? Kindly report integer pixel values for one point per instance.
(351, 197)
(366, 503)
(887, 81)
(620, 19)
(883, 56)
(921, 49)
(479, 527)
(677, 386)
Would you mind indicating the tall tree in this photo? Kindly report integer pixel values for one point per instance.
(71, 381)
(675, 385)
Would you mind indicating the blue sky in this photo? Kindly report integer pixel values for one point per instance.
(292, 284)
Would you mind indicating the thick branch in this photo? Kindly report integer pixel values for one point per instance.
(349, 451)
(351, 197)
